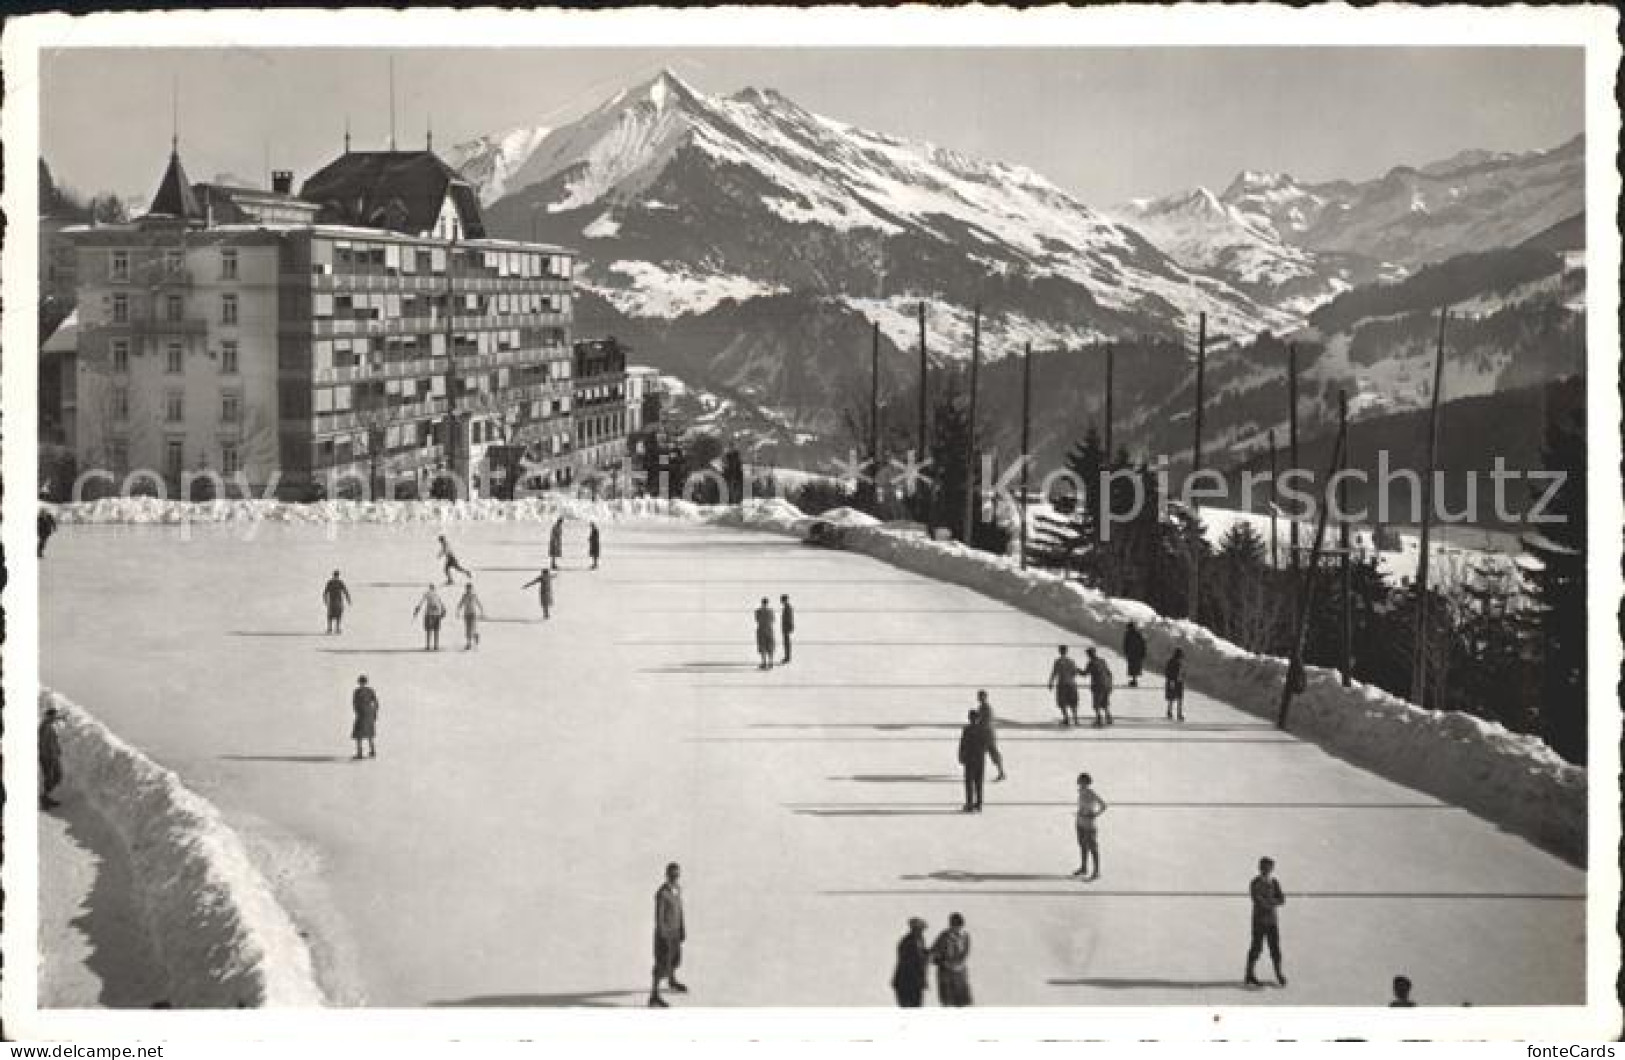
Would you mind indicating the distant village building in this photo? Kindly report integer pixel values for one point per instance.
(600, 408)
(644, 392)
(360, 337)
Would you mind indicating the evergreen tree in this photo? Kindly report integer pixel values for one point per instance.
(1560, 584)
(1072, 543)
(1495, 677)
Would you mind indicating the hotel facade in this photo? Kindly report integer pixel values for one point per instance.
(362, 338)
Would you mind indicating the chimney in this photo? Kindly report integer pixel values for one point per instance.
(282, 181)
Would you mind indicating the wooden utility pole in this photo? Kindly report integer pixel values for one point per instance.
(874, 400)
(1306, 596)
(920, 453)
(1419, 659)
(1111, 352)
(1292, 436)
(1345, 540)
(1026, 440)
(1275, 496)
(970, 427)
(1193, 598)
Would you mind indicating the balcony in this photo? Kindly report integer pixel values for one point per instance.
(150, 327)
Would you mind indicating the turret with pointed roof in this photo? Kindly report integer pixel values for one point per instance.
(175, 197)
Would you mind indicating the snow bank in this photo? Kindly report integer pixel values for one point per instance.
(222, 937)
(152, 511)
(1514, 780)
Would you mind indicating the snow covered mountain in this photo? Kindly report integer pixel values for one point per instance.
(1294, 246)
(1471, 202)
(679, 200)
(490, 162)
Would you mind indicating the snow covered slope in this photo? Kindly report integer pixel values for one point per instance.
(753, 188)
(490, 162)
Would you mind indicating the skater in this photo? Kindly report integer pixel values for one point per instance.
(1063, 678)
(787, 624)
(1090, 807)
(434, 609)
(1100, 687)
(50, 758)
(950, 953)
(764, 635)
(669, 935)
(1173, 684)
(544, 591)
(984, 711)
(472, 611)
(337, 597)
(909, 981)
(593, 545)
(1267, 898)
(364, 701)
(1402, 993)
(1134, 653)
(555, 544)
(451, 560)
(45, 524)
(973, 740)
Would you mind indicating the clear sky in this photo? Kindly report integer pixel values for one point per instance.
(1107, 124)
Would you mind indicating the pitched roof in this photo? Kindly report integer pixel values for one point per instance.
(398, 190)
(175, 198)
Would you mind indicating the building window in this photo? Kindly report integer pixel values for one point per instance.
(121, 309)
(228, 357)
(228, 263)
(174, 359)
(228, 459)
(121, 356)
(118, 267)
(174, 458)
(121, 403)
(118, 453)
(228, 309)
(174, 307)
(231, 408)
(174, 407)
(174, 261)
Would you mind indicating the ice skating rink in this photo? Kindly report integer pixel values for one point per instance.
(505, 846)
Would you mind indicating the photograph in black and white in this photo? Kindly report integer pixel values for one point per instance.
(733, 527)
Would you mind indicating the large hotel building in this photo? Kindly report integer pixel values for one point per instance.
(362, 338)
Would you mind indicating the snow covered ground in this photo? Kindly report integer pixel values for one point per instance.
(504, 847)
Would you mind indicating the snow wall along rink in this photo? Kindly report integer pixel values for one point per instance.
(222, 937)
(1513, 780)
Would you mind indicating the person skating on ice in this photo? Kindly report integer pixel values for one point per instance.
(594, 545)
(50, 758)
(364, 703)
(336, 595)
(544, 591)
(1267, 897)
(973, 759)
(951, 954)
(1100, 687)
(433, 610)
(471, 610)
(450, 559)
(787, 624)
(765, 621)
(670, 934)
(1063, 678)
(984, 711)
(1173, 685)
(555, 544)
(1134, 653)
(1090, 807)
(910, 978)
